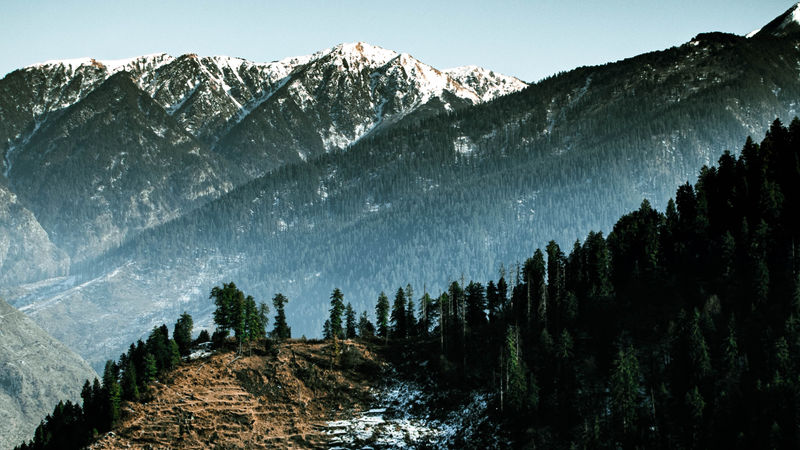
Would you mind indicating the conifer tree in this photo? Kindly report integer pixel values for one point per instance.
(130, 390)
(366, 329)
(399, 315)
(382, 316)
(182, 333)
(350, 322)
(281, 329)
(624, 393)
(326, 330)
(337, 308)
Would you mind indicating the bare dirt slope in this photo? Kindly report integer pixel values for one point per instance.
(279, 397)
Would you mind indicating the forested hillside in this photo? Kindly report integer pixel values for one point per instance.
(464, 193)
(679, 329)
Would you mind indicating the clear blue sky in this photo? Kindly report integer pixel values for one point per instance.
(530, 39)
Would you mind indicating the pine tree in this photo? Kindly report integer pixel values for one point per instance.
(476, 304)
(366, 329)
(150, 368)
(350, 322)
(326, 330)
(112, 394)
(337, 308)
(624, 393)
(130, 390)
(411, 320)
(281, 329)
(382, 316)
(182, 333)
(515, 372)
(399, 315)
(426, 314)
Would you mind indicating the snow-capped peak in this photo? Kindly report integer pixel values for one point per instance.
(210, 96)
(485, 83)
(752, 33)
(111, 65)
(372, 53)
(785, 24)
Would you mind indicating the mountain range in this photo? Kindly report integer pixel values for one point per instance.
(144, 182)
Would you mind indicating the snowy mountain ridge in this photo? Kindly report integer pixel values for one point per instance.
(192, 88)
(783, 25)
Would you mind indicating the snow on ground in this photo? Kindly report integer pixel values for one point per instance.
(201, 351)
(403, 418)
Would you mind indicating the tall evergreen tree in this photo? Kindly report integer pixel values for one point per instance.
(281, 329)
(350, 321)
(182, 333)
(382, 316)
(366, 329)
(399, 315)
(337, 308)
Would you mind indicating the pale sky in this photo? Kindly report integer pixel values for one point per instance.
(530, 39)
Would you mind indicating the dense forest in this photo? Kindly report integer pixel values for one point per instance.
(680, 329)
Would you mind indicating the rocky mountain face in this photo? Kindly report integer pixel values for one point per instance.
(36, 372)
(26, 252)
(361, 88)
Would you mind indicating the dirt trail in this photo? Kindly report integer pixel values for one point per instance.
(272, 398)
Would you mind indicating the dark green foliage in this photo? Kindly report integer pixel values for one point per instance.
(366, 329)
(182, 333)
(327, 333)
(399, 316)
(202, 337)
(624, 396)
(678, 330)
(72, 426)
(281, 329)
(350, 322)
(236, 312)
(382, 316)
(336, 311)
(130, 388)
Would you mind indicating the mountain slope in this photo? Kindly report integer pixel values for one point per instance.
(343, 94)
(279, 400)
(36, 372)
(209, 96)
(155, 136)
(26, 252)
(786, 24)
(92, 183)
(454, 195)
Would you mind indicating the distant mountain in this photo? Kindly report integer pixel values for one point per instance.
(345, 93)
(36, 372)
(155, 136)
